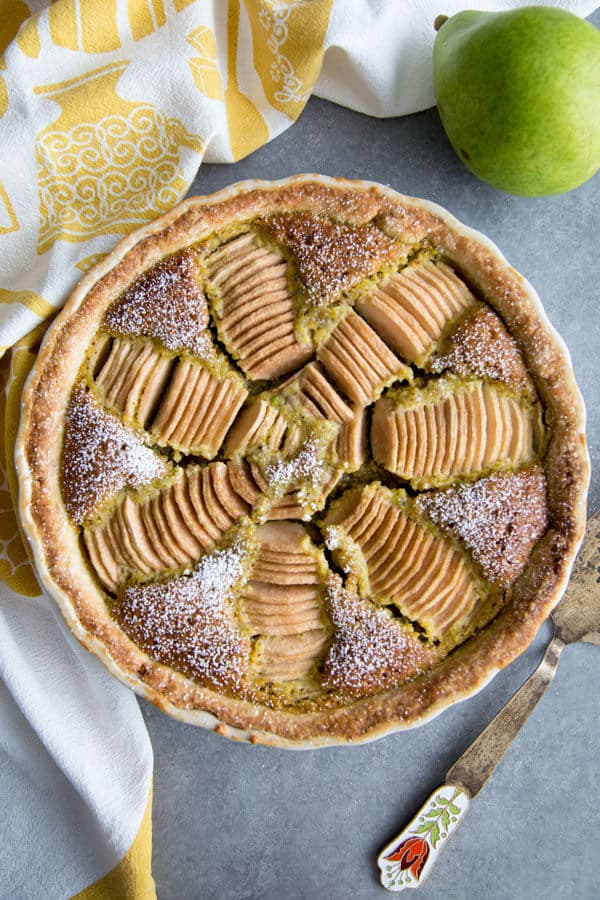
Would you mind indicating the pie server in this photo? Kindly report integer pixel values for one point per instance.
(407, 860)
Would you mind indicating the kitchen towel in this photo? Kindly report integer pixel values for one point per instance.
(107, 109)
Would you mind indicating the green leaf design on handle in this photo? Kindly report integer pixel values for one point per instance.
(407, 860)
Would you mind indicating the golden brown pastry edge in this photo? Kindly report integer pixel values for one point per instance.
(54, 542)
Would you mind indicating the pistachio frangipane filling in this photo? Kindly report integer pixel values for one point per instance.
(479, 344)
(189, 622)
(369, 650)
(101, 457)
(498, 518)
(261, 409)
(168, 304)
(332, 257)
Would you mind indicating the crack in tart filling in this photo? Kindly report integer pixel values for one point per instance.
(303, 461)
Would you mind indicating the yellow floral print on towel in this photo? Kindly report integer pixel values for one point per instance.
(105, 163)
(205, 66)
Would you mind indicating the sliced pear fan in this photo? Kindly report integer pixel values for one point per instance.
(456, 430)
(197, 409)
(407, 565)
(411, 309)
(282, 603)
(319, 398)
(359, 362)
(172, 528)
(261, 425)
(255, 308)
(133, 377)
(288, 657)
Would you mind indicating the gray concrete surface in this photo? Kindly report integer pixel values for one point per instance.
(247, 823)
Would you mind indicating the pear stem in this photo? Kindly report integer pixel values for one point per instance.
(439, 21)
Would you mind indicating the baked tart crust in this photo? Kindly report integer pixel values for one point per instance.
(350, 471)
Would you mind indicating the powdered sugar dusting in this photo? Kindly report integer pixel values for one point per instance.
(305, 465)
(370, 651)
(499, 518)
(482, 346)
(188, 623)
(331, 257)
(332, 536)
(306, 469)
(100, 457)
(166, 303)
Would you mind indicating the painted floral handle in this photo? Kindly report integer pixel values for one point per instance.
(408, 859)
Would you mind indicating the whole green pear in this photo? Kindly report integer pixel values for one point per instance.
(518, 94)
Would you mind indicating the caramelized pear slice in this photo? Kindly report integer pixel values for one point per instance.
(320, 399)
(351, 444)
(318, 396)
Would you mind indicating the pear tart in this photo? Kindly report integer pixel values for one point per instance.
(303, 462)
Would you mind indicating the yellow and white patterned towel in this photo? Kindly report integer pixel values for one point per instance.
(107, 108)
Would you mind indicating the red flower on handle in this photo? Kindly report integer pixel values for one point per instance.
(412, 854)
